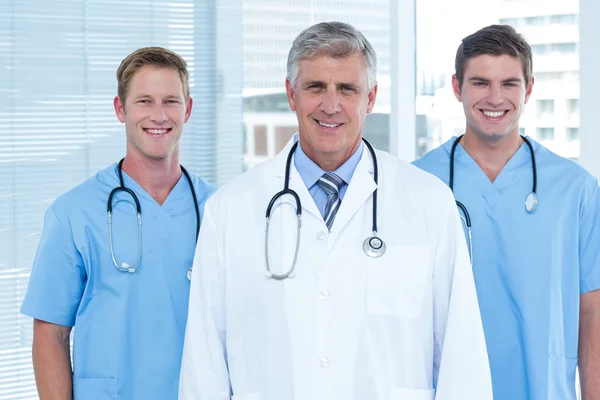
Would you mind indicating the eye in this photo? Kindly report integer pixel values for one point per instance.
(315, 87)
(172, 101)
(510, 84)
(480, 84)
(144, 101)
(348, 90)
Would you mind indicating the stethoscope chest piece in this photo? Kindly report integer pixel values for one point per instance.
(531, 202)
(374, 247)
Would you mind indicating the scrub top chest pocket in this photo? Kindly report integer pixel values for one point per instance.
(397, 282)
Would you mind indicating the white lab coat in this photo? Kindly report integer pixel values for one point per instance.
(405, 326)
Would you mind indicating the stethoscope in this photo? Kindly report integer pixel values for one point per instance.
(373, 246)
(530, 201)
(124, 266)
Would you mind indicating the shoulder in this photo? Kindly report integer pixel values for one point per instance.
(414, 184)
(86, 195)
(413, 176)
(436, 161)
(242, 186)
(555, 167)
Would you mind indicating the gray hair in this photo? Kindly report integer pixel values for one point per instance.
(334, 39)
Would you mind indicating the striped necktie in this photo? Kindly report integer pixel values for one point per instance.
(331, 184)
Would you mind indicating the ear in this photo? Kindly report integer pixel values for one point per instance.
(456, 88)
(529, 90)
(188, 110)
(372, 96)
(291, 94)
(119, 109)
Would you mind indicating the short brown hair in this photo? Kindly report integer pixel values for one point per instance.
(496, 40)
(155, 57)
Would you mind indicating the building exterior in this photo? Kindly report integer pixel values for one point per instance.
(552, 115)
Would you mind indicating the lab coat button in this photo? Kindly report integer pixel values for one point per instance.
(322, 235)
(323, 294)
(323, 362)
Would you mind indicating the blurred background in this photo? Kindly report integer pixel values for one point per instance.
(58, 61)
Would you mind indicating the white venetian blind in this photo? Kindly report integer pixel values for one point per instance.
(58, 60)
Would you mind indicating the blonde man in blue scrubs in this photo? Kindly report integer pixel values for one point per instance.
(536, 263)
(129, 313)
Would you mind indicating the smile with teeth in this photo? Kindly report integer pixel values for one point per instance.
(157, 131)
(328, 125)
(493, 114)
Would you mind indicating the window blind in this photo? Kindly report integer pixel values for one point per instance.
(58, 61)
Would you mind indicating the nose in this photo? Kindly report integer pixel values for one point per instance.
(158, 114)
(331, 102)
(495, 96)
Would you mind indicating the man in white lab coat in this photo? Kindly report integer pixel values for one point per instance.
(339, 319)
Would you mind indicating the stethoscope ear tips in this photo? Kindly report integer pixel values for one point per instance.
(531, 202)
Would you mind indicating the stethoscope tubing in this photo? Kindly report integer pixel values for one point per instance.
(121, 188)
(467, 217)
(374, 251)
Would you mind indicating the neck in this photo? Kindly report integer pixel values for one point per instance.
(491, 154)
(329, 161)
(157, 177)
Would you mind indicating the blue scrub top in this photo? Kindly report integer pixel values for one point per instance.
(529, 269)
(129, 327)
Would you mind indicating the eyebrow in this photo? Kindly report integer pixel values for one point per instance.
(147, 96)
(340, 85)
(480, 79)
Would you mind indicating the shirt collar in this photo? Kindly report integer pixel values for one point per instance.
(311, 172)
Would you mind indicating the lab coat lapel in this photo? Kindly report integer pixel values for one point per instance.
(296, 182)
(360, 188)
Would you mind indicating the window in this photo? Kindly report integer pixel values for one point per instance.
(514, 22)
(545, 109)
(260, 140)
(564, 48)
(545, 134)
(57, 125)
(537, 21)
(565, 19)
(572, 134)
(573, 108)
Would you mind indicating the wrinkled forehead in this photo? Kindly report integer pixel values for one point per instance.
(324, 68)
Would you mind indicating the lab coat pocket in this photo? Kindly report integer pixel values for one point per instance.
(411, 394)
(396, 282)
(95, 388)
(249, 396)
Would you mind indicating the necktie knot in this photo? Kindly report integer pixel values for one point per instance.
(331, 183)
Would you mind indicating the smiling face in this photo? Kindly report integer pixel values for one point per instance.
(494, 93)
(154, 113)
(331, 98)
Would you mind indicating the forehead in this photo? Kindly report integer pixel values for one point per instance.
(491, 66)
(324, 68)
(151, 79)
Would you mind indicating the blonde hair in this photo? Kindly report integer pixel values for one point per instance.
(154, 57)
